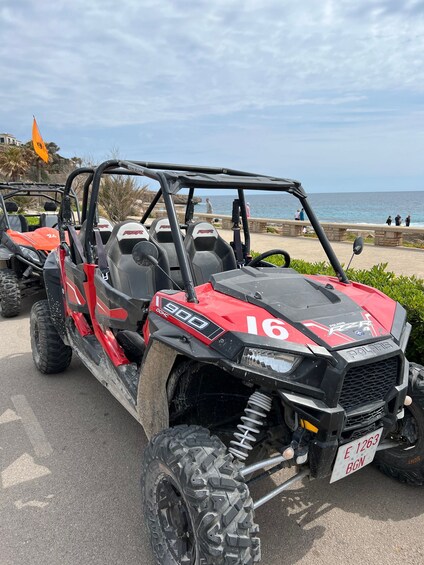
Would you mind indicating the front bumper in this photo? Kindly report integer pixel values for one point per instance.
(339, 424)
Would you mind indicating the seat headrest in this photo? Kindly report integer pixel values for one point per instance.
(160, 231)
(50, 206)
(11, 206)
(201, 230)
(132, 230)
(161, 225)
(104, 225)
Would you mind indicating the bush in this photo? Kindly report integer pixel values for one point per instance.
(120, 197)
(408, 291)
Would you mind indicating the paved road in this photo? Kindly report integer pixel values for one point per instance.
(70, 460)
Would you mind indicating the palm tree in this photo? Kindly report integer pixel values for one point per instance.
(13, 163)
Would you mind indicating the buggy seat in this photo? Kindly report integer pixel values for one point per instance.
(49, 220)
(17, 222)
(208, 252)
(160, 233)
(125, 291)
(125, 275)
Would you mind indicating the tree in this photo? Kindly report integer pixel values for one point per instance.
(14, 162)
(120, 197)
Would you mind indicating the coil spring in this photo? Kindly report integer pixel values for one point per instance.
(258, 406)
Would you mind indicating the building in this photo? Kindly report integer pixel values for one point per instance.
(8, 139)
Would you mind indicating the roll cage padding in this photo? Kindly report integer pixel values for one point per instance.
(208, 252)
(125, 275)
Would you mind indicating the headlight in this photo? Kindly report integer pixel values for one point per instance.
(269, 361)
(30, 254)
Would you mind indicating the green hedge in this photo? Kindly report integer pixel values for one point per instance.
(408, 291)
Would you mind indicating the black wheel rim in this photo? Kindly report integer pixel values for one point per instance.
(175, 522)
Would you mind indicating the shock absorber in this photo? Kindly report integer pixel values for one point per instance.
(255, 413)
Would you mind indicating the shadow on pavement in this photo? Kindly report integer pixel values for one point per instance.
(87, 509)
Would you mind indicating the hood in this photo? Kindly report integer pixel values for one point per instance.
(331, 313)
(43, 239)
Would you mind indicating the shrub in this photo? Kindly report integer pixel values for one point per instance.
(120, 197)
(408, 291)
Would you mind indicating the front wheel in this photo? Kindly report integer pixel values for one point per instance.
(406, 462)
(49, 352)
(198, 507)
(10, 294)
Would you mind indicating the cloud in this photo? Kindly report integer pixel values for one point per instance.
(91, 63)
(325, 87)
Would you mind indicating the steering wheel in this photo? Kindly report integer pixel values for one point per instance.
(256, 262)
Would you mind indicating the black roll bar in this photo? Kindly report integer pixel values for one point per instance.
(157, 171)
(335, 263)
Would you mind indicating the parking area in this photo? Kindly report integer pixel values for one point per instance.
(69, 492)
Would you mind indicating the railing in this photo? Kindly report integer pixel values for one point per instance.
(388, 236)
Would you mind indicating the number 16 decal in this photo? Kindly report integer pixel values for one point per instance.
(270, 327)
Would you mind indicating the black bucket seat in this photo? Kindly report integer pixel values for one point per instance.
(208, 252)
(49, 220)
(160, 233)
(17, 222)
(136, 281)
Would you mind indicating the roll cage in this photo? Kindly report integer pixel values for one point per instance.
(50, 191)
(172, 178)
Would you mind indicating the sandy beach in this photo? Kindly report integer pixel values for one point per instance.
(401, 260)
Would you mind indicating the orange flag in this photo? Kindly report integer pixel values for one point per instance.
(38, 143)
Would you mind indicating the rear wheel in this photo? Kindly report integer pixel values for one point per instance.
(49, 352)
(406, 462)
(10, 294)
(197, 505)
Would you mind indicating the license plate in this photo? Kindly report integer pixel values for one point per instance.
(354, 455)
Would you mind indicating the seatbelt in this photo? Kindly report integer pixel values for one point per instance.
(238, 248)
(77, 242)
(102, 262)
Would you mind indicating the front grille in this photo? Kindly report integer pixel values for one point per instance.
(364, 419)
(351, 435)
(369, 383)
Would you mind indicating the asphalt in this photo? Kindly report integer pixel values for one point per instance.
(401, 260)
(70, 459)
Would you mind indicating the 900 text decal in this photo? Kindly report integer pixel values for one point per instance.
(185, 316)
(192, 319)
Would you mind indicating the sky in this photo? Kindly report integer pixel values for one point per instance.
(326, 92)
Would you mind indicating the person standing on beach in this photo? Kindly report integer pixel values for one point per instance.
(209, 209)
(389, 221)
(302, 215)
(408, 220)
(398, 220)
(297, 215)
(247, 210)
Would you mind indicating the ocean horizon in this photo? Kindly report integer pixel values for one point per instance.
(347, 207)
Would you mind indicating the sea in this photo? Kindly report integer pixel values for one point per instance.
(346, 207)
